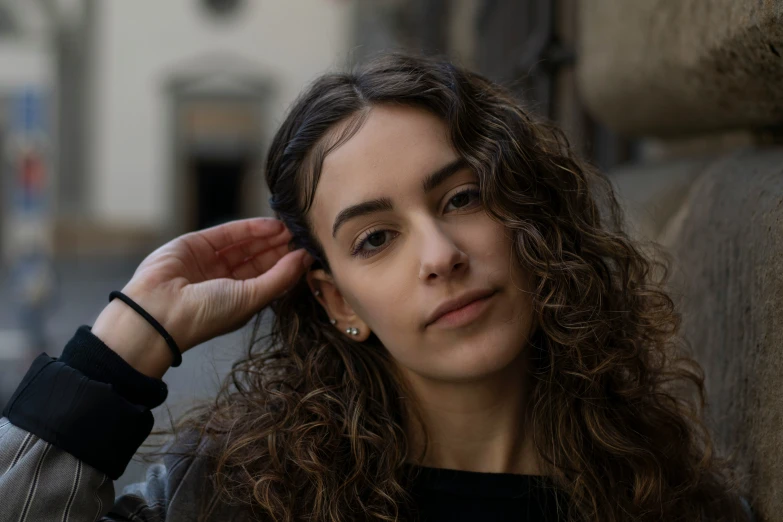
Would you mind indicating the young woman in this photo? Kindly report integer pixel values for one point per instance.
(462, 330)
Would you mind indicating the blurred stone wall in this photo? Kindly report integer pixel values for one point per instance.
(679, 67)
(702, 84)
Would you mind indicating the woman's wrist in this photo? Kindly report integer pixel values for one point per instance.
(128, 334)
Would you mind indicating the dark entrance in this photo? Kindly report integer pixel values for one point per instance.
(218, 186)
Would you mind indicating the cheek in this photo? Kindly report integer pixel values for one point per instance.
(387, 305)
(492, 249)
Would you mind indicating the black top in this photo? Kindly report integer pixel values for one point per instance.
(112, 419)
(453, 495)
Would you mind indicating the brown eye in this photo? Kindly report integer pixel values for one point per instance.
(376, 235)
(462, 198)
(373, 237)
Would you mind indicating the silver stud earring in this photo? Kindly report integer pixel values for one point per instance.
(333, 321)
(317, 293)
(352, 331)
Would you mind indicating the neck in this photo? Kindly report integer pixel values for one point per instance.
(475, 426)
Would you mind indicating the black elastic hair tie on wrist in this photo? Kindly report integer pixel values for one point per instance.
(169, 340)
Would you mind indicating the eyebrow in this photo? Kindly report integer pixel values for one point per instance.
(384, 204)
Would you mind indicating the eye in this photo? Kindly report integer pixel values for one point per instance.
(461, 199)
(463, 196)
(371, 238)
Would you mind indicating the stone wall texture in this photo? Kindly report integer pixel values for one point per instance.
(726, 237)
(678, 67)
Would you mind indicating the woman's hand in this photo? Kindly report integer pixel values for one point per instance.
(211, 282)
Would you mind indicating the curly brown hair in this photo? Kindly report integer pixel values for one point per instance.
(310, 424)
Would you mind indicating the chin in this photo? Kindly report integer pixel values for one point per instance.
(473, 359)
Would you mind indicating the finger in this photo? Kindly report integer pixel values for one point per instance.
(239, 253)
(259, 264)
(279, 278)
(237, 231)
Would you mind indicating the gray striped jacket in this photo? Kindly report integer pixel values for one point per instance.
(40, 483)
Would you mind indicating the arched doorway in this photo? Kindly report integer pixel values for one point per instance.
(217, 130)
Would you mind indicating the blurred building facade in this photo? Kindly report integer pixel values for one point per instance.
(162, 110)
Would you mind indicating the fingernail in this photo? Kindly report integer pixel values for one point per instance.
(307, 260)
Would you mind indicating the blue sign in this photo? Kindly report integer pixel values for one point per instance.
(28, 111)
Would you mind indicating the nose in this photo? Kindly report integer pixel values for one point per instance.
(440, 255)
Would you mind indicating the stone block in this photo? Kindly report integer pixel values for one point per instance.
(677, 67)
(726, 239)
(651, 194)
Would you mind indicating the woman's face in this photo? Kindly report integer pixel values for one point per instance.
(391, 268)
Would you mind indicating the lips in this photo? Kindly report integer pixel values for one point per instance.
(458, 302)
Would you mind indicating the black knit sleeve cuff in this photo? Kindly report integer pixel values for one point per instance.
(82, 416)
(88, 354)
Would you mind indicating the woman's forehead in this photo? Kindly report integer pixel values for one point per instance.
(393, 141)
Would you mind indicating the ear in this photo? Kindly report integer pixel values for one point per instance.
(336, 306)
